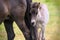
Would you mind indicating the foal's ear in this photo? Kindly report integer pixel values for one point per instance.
(37, 5)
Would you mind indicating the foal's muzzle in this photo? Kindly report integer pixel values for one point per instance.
(33, 22)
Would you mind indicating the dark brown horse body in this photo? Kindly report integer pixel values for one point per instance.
(14, 10)
(12, 7)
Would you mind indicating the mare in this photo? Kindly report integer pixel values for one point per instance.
(15, 10)
(39, 19)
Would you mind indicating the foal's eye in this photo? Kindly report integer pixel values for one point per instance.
(36, 13)
(33, 12)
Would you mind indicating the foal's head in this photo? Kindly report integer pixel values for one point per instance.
(34, 12)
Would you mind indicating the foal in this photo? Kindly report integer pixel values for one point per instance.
(39, 19)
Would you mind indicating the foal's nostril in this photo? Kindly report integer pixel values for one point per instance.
(32, 23)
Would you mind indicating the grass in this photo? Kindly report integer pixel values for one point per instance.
(52, 29)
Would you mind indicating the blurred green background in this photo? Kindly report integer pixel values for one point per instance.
(52, 29)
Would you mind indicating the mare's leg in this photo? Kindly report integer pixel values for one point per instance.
(21, 24)
(9, 29)
(18, 14)
(24, 29)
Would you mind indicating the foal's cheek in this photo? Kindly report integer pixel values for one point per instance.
(38, 17)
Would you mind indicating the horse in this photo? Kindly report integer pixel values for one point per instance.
(14, 10)
(39, 19)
